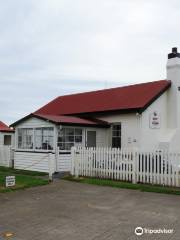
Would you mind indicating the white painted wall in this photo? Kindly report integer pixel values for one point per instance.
(173, 74)
(129, 126)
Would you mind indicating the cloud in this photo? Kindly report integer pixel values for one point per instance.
(51, 47)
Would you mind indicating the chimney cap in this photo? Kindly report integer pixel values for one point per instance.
(174, 53)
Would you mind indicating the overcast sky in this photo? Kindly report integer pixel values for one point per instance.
(55, 47)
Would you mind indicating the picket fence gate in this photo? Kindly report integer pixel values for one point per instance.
(6, 156)
(158, 167)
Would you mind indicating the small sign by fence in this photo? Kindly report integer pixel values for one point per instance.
(10, 181)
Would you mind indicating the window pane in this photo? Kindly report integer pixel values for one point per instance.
(78, 139)
(116, 133)
(117, 127)
(19, 141)
(38, 132)
(68, 146)
(7, 139)
(25, 138)
(69, 131)
(116, 142)
(78, 131)
(51, 143)
(44, 138)
(61, 146)
(67, 137)
(38, 142)
(61, 139)
(45, 132)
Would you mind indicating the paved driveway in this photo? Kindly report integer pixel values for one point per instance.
(67, 210)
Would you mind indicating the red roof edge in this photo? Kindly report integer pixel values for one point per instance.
(70, 120)
(5, 128)
(157, 96)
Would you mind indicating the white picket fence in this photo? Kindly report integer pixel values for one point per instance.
(6, 156)
(157, 167)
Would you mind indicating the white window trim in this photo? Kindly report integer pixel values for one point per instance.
(73, 127)
(33, 149)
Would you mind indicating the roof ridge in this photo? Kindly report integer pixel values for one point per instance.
(99, 91)
(109, 89)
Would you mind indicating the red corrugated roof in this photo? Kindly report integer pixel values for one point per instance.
(122, 98)
(5, 128)
(70, 119)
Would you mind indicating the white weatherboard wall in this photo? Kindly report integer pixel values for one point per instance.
(32, 161)
(129, 129)
(34, 122)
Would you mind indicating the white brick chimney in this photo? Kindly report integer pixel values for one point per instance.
(173, 74)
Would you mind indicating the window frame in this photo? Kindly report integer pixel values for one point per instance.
(5, 136)
(33, 140)
(24, 143)
(65, 136)
(118, 132)
(42, 136)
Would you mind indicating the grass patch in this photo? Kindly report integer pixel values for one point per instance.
(22, 172)
(24, 179)
(127, 185)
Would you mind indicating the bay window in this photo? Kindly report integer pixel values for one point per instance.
(37, 139)
(25, 138)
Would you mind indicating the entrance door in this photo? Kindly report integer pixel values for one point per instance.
(90, 138)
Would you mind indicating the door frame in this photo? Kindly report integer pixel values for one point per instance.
(90, 130)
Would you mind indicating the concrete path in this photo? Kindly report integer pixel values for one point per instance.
(73, 211)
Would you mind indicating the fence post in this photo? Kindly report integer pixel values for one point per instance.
(134, 168)
(12, 157)
(73, 154)
(51, 165)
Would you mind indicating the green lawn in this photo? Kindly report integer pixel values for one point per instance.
(24, 179)
(127, 185)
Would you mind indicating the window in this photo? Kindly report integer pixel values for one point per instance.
(69, 137)
(25, 138)
(44, 138)
(7, 140)
(116, 135)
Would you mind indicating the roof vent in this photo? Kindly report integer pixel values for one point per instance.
(174, 53)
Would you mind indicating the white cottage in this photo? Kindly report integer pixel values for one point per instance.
(6, 135)
(6, 145)
(143, 116)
